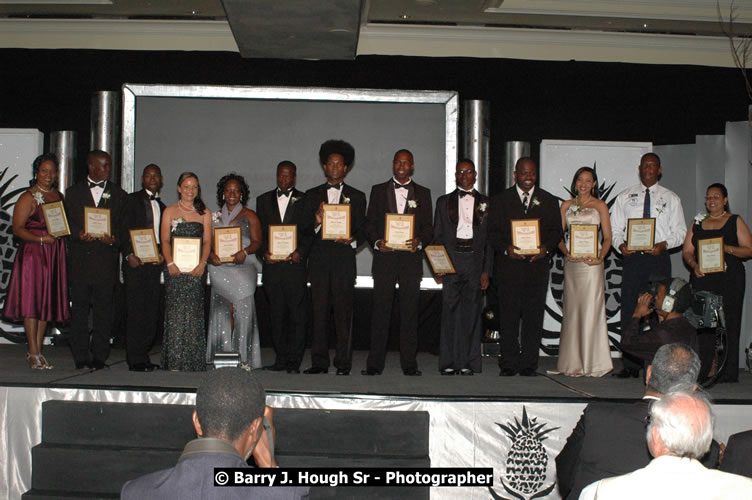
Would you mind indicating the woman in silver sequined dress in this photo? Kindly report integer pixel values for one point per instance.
(184, 333)
(232, 316)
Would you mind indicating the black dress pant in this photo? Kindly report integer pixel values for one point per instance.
(285, 288)
(98, 297)
(143, 293)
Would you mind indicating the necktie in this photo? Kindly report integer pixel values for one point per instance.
(524, 201)
(646, 206)
(281, 193)
(96, 184)
(465, 193)
(335, 186)
(154, 197)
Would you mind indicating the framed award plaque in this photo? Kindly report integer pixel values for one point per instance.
(186, 252)
(97, 221)
(55, 219)
(526, 236)
(144, 244)
(439, 259)
(227, 242)
(583, 240)
(335, 225)
(282, 240)
(399, 230)
(710, 255)
(640, 234)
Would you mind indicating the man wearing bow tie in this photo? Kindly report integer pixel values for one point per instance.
(332, 262)
(461, 225)
(285, 280)
(143, 210)
(93, 262)
(522, 280)
(399, 195)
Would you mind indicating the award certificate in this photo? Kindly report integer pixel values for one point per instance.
(640, 234)
(227, 242)
(55, 219)
(526, 235)
(336, 222)
(186, 252)
(439, 259)
(97, 221)
(282, 240)
(144, 245)
(583, 240)
(399, 230)
(710, 255)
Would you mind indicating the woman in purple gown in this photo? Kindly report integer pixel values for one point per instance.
(38, 289)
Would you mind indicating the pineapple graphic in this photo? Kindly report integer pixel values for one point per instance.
(527, 460)
(7, 249)
(612, 268)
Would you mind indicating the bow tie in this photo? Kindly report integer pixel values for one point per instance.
(154, 197)
(465, 193)
(281, 193)
(96, 184)
(334, 186)
(397, 185)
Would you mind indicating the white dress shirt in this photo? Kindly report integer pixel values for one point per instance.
(465, 207)
(283, 202)
(665, 206)
(96, 192)
(521, 194)
(156, 213)
(400, 193)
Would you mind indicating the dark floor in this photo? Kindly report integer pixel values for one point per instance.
(487, 385)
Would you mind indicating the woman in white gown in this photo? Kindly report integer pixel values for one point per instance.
(232, 315)
(583, 344)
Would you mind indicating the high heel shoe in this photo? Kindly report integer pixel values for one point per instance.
(45, 364)
(34, 362)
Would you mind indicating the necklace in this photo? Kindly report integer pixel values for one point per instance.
(180, 204)
(718, 216)
(581, 203)
(42, 189)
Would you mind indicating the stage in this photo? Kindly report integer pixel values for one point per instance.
(465, 412)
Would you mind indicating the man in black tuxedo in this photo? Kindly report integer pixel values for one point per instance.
(461, 225)
(285, 280)
(522, 279)
(609, 438)
(143, 210)
(331, 265)
(93, 262)
(398, 195)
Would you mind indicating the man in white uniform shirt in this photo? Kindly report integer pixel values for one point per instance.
(647, 199)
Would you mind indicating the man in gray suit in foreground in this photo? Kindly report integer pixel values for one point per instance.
(228, 419)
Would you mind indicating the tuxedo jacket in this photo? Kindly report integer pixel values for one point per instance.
(737, 458)
(383, 201)
(93, 262)
(267, 211)
(445, 228)
(608, 440)
(137, 214)
(506, 207)
(322, 251)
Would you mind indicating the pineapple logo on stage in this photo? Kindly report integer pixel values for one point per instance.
(527, 460)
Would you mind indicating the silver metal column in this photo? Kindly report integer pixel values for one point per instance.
(476, 138)
(107, 127)
(63, 145)
(513, 151)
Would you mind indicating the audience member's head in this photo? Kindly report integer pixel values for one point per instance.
(230, 406)
(674, 367)
(681, 425)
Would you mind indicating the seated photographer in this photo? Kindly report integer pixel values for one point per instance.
(669, 299)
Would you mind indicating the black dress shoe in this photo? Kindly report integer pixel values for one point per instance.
(99, 365)
(153, 366)
(83, 365)
(467, 372)
(315, 370)
(142, 367)
(528, 372)
(370, 372)
(275, 368)
(627, 373)
(507, 372)
(343, 372)
(293, 370)
(412, 372)
(448, 371)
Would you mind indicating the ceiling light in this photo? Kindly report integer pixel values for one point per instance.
(404, 16)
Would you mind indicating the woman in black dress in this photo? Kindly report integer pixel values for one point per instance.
(737, 245)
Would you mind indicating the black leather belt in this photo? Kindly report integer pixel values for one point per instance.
(464, 245)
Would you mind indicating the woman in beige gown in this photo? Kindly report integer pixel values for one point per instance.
(583, 344)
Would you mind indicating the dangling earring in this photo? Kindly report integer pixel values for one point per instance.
(223, 197)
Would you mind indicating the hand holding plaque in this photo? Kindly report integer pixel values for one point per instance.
(399, 231)
(97, 221)
(227, 242)
(55, 219)
(439, 260)
(710, 255)
(583, 240)
(186, 252)
(144, 244)
(526, 236)
(335, 222)
(640, 234)
(282, 240)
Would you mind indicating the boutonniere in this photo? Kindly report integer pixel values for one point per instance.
(482, 207)
(660, 206)
(346, 200)
(534, 201)
(175, 222)
(412, 203)
(38, 197)
(294, 199)
(701, 216)
(105, 196)
(216, 217)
